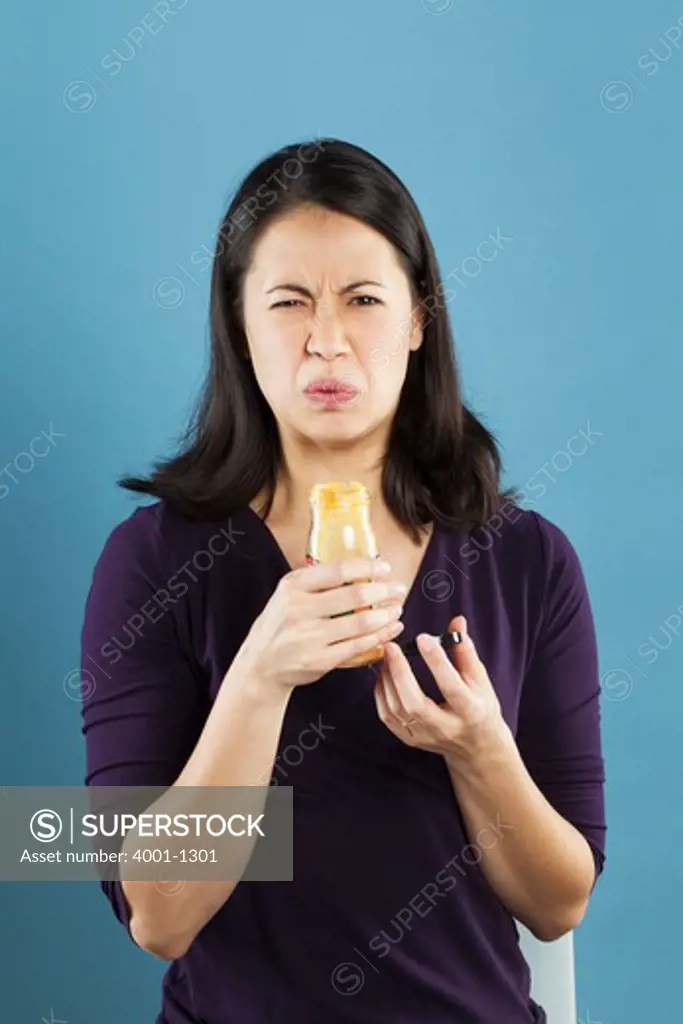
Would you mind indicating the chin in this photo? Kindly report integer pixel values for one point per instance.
(337, 433)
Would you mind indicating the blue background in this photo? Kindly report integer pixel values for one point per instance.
(498, 117)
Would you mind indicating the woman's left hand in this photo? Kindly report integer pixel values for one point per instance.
(466, 723)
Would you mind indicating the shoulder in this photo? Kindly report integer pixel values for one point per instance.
(559, 566)
(523, 540)
(526, 566)
(157, 539)
(545, 543)
(140, 539)
(525, 562)
(547, 562)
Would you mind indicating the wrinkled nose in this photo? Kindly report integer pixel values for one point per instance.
(327, 338)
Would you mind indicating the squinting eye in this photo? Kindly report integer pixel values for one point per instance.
(361, 300)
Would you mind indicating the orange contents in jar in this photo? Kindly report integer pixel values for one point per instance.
(341, 529)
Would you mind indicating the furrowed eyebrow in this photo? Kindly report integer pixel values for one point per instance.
(300, 290)
(359, 284)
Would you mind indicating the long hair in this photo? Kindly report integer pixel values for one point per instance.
(441, 462)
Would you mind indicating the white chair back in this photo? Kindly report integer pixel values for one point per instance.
(552, 975)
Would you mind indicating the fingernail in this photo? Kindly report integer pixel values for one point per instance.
(427, 642)
(384, 568)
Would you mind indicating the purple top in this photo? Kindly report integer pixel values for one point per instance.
(389, 919)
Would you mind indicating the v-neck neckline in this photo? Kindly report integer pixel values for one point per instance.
(422, 568)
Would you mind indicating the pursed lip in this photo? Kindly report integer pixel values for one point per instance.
(332, 387)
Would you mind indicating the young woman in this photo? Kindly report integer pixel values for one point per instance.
(437, 799)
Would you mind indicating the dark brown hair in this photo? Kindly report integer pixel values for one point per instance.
(441, 462)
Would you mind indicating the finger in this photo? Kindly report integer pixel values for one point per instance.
(326, 575)
(360, 623)
(412, 701)
(355, 596)
(344, 651)
(445, 674)
(390, 711)
(384, 712)
(391, 696)
(464, 655)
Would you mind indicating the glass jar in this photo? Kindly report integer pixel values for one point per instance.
(341, 529)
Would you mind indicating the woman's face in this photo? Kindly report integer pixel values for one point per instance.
(330, 325)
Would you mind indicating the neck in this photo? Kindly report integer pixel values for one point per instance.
(305, 464)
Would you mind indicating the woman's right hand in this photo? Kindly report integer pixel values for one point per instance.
(295, 641)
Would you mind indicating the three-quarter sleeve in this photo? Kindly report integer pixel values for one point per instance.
(558, 731)
(143, 705)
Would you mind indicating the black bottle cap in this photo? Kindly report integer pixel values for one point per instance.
(448, 639)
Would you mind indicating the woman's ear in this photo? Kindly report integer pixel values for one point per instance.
(417, 321)
(417, 330)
